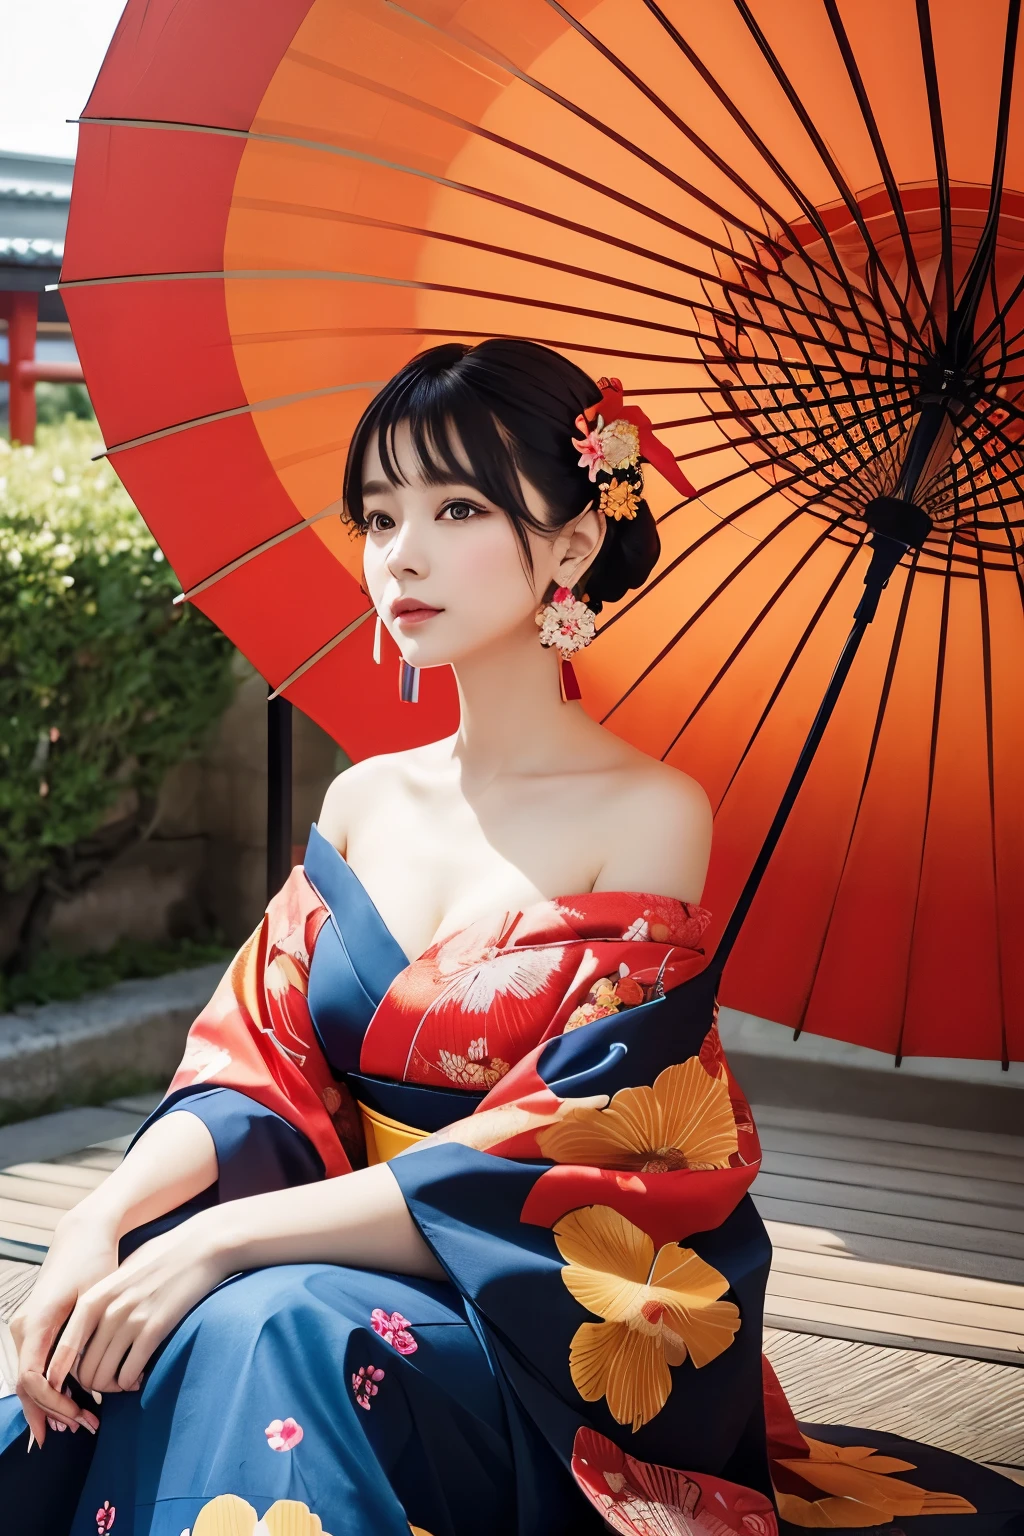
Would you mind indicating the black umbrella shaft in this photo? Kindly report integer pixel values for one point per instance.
(799, 773)
(886, 555)
(279, 793)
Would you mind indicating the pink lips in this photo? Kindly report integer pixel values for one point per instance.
(414, 615)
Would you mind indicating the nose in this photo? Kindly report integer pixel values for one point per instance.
(406, 554)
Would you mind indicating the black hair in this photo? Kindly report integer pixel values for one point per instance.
(513, 406)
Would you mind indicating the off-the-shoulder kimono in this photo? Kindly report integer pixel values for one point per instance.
(570, 1142)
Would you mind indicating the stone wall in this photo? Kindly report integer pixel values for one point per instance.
(205, 862)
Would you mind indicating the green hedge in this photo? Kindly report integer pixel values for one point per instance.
(104, 685)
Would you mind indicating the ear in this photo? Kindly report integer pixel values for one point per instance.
(583, 538)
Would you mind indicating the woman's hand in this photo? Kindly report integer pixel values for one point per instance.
(121, 1319)
(83, 1251)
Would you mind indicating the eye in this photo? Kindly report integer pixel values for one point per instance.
(461, 511)
(374, 526)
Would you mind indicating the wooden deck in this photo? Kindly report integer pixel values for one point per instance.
(896, 1297)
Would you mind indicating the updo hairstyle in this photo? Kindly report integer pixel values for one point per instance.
(513, 406)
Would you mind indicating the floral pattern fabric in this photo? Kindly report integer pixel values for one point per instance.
(590, 1208)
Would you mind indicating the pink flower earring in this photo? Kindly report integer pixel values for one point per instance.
(569, 625)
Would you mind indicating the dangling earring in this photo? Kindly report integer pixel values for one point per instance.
(376, 640)
(569, 625)
(408, 683)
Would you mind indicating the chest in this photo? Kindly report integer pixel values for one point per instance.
(433, 863)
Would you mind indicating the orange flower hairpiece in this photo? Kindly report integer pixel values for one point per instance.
(613, 439)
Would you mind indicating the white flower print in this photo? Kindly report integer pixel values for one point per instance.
(638, 929)
(516, 973)
(204, 1059)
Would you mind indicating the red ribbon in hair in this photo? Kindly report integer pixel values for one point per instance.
(611, 408)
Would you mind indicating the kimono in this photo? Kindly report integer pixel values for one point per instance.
(554, 1101)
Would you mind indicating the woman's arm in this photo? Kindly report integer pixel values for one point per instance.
(173, 1161)
(359, 1219)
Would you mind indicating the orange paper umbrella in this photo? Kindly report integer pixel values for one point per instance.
(795, 230)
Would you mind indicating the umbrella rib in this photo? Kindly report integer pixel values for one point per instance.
(748, 635)
(839, 273)
(871, 124)
(475, 45)
(235, 410)
(883, 704)
(984, 254)
(712, 597)
(832, 167)
(721, 165)
(321, 146)
(931, 77)
(797, 511)
(389, 93)
(287, 274)
(308, 210)
(319, 655)
(986, 664)
(250, 554)
(940, 671)
(791, 663)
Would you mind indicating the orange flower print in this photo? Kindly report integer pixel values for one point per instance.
(861, 1490)
(684, 1121)
(474, 1070)
(619, 499)
(228, 1515)
(656, 1309)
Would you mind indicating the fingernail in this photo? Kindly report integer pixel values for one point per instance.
(90, 1421)
(97, 1397)
(31, 1440)
(60, 1426)
(88, 1426)
(74, 1427)
(52, 1422)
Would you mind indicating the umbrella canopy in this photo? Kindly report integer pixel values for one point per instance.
(795, 230)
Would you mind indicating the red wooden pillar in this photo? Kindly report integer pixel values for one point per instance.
(22, 318)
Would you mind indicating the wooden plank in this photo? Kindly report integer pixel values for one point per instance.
(89, 1158)
(895, 1251)
(973, 1408)
(28, 1213)
(42, 1191)
(59, 1173)
(908, 1132)
(964, 1214)
(964, 1289)
(22, 1232)
(892, 1154)
(916, 1333)
(975, 1191)
(849, 1220)
(911, 1313)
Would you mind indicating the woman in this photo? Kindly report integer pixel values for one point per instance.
(443, 1222)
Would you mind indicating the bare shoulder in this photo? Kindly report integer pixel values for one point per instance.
(663, 827)
(357, 789)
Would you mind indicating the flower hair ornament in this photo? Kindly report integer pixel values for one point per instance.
(614, 439)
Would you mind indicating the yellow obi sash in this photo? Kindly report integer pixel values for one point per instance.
(385, 1137)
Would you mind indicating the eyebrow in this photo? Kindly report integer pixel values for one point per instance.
(376, 488)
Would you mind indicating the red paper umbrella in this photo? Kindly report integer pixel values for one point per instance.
(795, 230)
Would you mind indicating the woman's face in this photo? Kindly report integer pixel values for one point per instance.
(450, 559)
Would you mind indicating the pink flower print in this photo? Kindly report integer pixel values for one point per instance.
(591, 451)
(283, 1434)
(394, 1330)
(105, 1518)
(364, 1383)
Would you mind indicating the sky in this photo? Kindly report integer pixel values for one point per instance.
(52, 53)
